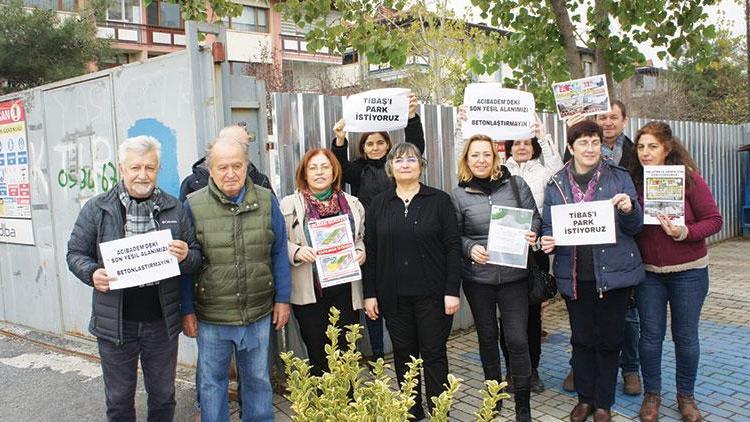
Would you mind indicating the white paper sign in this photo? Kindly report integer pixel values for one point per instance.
(377, 110)
(139, 260)
(506, 241)
(582, 96)
(497, 112)
(664, 193)
(584, 223)
(336, 260)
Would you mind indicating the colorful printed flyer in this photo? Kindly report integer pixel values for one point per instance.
(582, 96)
(15, 190)
(664, 193)
(333, 242)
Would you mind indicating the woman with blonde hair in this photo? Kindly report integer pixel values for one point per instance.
(484, 182)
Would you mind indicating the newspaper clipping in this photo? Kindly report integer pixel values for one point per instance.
(506, 241)
(664, 193)
(582, 96)
(333, 242)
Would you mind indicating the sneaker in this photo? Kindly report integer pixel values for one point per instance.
(568, 384)
(536, 384)
(631, 384)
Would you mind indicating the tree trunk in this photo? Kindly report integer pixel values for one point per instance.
(601, 41)
(567, 32)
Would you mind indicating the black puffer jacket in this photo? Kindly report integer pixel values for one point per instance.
(102, 220)
(473, 215)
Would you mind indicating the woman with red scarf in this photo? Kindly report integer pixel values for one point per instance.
(319, 196)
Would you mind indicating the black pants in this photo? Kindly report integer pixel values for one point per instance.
(534, 325)
(313, 322)
(598, 331)
(148, 342)
(513, 301)
(420, 328)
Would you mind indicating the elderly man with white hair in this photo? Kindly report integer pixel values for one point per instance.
(142, 322)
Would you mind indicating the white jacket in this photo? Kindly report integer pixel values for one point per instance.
(536, 174)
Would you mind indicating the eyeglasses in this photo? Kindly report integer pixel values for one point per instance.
(407, 160)
(596, 143)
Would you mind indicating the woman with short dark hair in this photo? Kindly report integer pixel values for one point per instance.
(412, 272)
(595, 280)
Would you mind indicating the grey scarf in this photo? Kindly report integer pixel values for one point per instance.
(139, 215)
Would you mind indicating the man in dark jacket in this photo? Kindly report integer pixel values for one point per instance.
(619, 149)
(199, 178)
(143, 321)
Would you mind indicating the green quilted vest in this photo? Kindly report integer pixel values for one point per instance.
(235, 285)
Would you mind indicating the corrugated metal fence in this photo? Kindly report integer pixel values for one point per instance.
(304, 121)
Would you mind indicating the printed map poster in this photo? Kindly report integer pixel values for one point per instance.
(15, 190)
(506, 241)
(585, 96)
(377, 110)
(664, 193)
(139, 260)
(333, 242)
(497, 112)
(584, 223)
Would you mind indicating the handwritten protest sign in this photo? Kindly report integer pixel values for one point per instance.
(582, 96)
(664, 193)
(336, 259)
(139, 260)
(583, 223)
(497, 112)
(377, 110)
(506, 241)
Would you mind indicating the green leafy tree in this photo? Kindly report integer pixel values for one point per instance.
(436, 50)
(205, 10)
(37, 46)
(544, 35)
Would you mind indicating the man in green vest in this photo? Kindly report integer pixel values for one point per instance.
(243, 287)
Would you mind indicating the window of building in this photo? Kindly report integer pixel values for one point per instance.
(164, 14)
(252, 19)
(61, 5)
(588, 69)
(351, 57)
(124, 11)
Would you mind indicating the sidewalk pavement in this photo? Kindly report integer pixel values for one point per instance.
(46, 377)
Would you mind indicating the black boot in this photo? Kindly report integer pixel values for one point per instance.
(522, 397)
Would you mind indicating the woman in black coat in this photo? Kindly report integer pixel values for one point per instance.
(412, 270)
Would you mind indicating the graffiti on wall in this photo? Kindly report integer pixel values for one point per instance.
(168, 178)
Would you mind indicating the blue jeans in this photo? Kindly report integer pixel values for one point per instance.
(216, 343)
(629, 353)
(685, 292)
(149, 342)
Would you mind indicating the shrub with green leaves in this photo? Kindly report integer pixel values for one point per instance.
(347, 392)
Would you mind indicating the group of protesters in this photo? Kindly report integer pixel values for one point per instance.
(247, 263)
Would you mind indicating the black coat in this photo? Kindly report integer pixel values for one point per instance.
(367, 177)
(435, 231)
(628, 154)
(102, 220)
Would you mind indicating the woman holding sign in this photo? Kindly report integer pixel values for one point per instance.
(367, 178)
(522, 158)
(594, 279)
(319, 196)
(676, 261)
(412, 272)
(484, 183)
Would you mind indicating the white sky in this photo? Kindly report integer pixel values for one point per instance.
(730, 11)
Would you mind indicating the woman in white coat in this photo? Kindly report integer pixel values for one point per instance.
(319, 196)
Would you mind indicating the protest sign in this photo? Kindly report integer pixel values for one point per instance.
(664, 193)
(584, 223)
(582, 96)
(377, 110)
(506, 241)
(497, 112)
(138, 260)
(336, 258)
